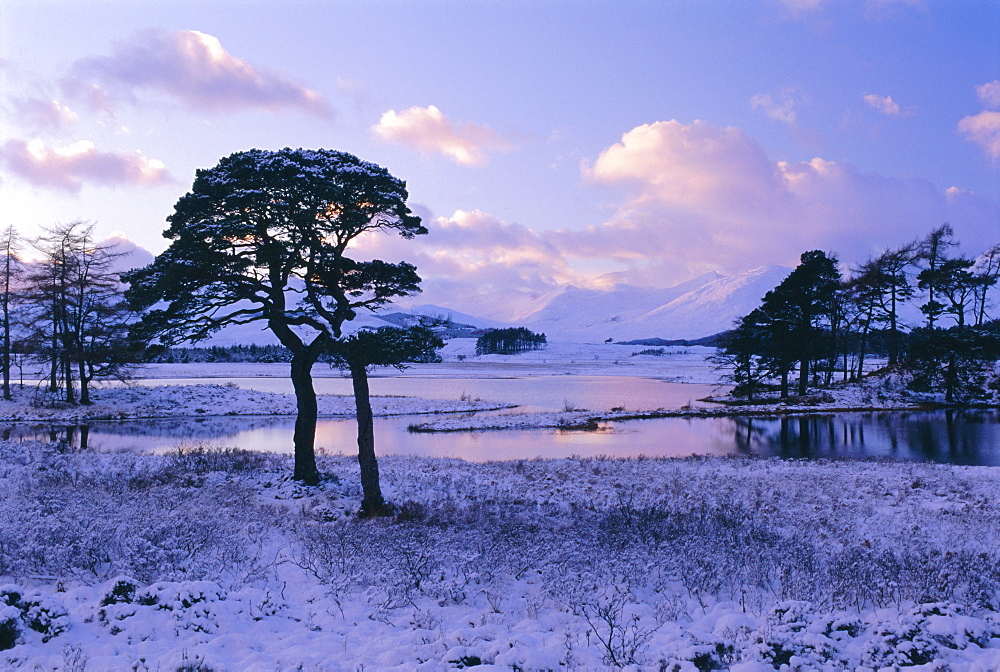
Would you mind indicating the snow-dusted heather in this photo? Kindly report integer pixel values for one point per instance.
(205, 559)
(171, 401)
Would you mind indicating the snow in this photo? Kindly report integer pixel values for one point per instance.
(215, 560)
(703, 306)
(210, 557)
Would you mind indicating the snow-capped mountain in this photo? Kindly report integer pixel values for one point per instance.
(700, 307)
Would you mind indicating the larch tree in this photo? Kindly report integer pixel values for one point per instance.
(264, 236)
(11, 271)
(79, 321)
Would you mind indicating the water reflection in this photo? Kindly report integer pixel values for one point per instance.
(956, 437)
(970, 437)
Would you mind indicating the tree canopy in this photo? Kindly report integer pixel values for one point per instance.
(264, 236)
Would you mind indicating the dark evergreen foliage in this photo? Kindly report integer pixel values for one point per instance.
(509, 341)
(218, 353)
(264, 236)
(815, 320)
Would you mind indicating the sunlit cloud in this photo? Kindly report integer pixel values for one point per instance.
(428, 130)
(989, 94)
(698, 197)
(781, 107)
(802, 6)
(886, 105)
(476, 263)
(984, 128)
(43, 113)
(191, 67)
(69, 168)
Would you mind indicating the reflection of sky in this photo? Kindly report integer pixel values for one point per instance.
(537, 393)
(972, 437)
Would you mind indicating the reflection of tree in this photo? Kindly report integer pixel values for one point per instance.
(957, 437)
(78, 435)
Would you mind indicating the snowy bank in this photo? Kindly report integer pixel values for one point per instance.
(213, 559)
(174, 401)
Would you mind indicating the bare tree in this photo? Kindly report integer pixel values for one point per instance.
(11, 272)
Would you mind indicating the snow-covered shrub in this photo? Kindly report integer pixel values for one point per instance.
(44, 615)
(10, 616)
(919, 635)
(122, 591)
(10, 626)
(618, 623)
(793, 636)
(701, 655)
(38, 612)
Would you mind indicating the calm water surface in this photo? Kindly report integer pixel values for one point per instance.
(531, 393)
(968, 437)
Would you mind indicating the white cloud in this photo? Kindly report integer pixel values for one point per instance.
(984, 130)
(698, 197)
(44, 113)
(68, 168)
(690, 198)
(886, 105)
(193, 68)
(427, 129)
(989, 94)
(781, 108)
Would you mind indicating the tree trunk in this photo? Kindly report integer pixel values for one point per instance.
(304, 438)
(784, 383)
(803, 376)
(84, 384)
(893, 332)
(6, 347)
(372, 504)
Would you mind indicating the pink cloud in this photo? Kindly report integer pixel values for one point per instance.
(42, 113)
(68, 168)
(195, 69)
(781, 107)
(474, 262)
(886, 105)
(427, 129)
(984, 130)
(989, 94)
(698, 197)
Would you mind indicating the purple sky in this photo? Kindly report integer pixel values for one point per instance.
(544, 143)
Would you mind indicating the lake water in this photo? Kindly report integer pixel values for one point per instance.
(530, 393)
(958, 437)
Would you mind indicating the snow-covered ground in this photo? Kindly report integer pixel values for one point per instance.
(204, 560)
(210, 558)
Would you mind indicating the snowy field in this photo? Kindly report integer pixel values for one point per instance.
(210, 558)
(205, 560)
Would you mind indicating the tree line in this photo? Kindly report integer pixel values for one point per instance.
(62, 308)
(509, 341)
(817, 323)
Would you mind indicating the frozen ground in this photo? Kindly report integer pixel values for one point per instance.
(212, 559)
(203, 560)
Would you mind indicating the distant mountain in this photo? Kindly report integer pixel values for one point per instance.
(572, 313)
(430, 310)
(701, 307)
(708, 309)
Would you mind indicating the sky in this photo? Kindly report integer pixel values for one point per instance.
(544, 143)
